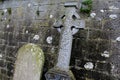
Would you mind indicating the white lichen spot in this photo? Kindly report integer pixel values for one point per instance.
(113, 16)
(105, 54)
(29, 4)
(113, 8)
(26, 32)
(93, 15)
(102, 11)
(49, 39)
(89, 66)
(36, 37)
(8, 26)
(5, 10)
(51, 16)
(118, 39)
(32, 50)
(5, 18)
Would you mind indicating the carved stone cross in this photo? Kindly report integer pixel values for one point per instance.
(68, 25)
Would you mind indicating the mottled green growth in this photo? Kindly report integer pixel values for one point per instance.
(37, 12)
(30, 61)
(88, 4)
(9, 11)
(85, 10)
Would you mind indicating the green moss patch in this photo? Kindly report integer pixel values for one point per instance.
(88, 4)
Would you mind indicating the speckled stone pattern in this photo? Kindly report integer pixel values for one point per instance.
(29, 63)
(25, 20)
(66, 38)
(65, 49)
(98, 44)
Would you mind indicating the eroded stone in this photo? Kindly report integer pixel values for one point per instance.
(29, 63)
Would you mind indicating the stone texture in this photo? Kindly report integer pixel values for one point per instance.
(99, 35)
(29, 63)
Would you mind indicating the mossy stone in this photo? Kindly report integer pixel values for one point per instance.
(29, 63)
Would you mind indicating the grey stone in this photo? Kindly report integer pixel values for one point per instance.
(71, 4)
(70, 20)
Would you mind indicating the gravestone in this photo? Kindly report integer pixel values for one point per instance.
(68, 25)
(29, 63)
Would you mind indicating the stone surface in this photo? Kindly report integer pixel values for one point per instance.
(67, 36)
(29, 63)
(100, 34)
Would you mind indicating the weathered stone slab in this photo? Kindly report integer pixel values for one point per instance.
(29, 63)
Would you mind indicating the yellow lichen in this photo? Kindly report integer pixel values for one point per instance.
(37, 55)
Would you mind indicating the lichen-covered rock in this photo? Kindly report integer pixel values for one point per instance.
(29, 63)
